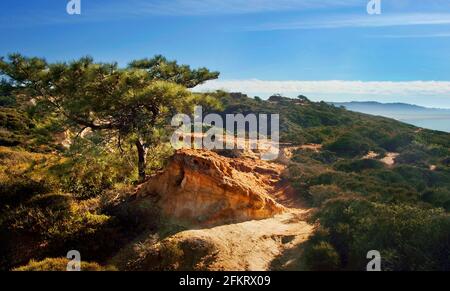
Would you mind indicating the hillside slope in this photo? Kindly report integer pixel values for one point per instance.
(373, 182)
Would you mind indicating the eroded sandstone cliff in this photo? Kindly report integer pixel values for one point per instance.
(227, 211)
(203, 187)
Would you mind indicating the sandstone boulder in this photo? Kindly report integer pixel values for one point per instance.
(202, 187)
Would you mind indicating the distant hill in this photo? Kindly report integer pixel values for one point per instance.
(394, 110)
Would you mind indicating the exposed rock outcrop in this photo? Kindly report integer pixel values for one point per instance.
(237, 211)
(202, 187)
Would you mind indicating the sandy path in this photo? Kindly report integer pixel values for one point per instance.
(252, 245)
(390, 159)
(371, 155)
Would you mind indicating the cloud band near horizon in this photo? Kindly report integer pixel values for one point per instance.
(426, 93)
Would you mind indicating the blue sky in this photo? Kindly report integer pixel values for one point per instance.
(326, 49)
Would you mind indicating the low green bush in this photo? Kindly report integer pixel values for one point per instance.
(358, 165)
(408, 237)
(60, 265)
(321, 257)
(439, 197)
(349, 145)
(321, 193)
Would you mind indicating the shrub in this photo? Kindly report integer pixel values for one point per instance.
(321, 257)
(19, 189)
(151, 255)
(413, 157)
(138, 215)
(349, 146)
(321, 193)
(446, 162)
(408, 237)
(325, 157)
(14, 126)
(54, 202)
(439, 197)
(8, 101)
(90, 174)
(359, 165)
(14, 120)
(190, 254)
(38, 229)
(397, 142)
(60, 265)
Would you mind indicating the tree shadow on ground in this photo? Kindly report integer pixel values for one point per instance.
(291, 259)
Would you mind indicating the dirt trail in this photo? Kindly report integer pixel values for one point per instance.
(389, 160)
(254, 245)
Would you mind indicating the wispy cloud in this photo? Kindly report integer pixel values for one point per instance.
(115, 9)
(336, 90)
(333, 86)
(118, 9)
(363, 21)
(214, 7)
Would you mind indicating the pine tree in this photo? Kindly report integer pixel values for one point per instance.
(128, 103)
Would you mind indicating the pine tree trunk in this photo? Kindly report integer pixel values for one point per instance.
(142, 163)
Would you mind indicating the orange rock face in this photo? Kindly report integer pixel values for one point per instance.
(202, 187)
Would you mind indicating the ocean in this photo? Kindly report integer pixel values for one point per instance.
(431, 123)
